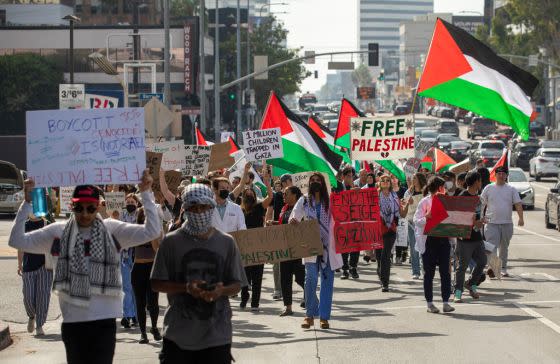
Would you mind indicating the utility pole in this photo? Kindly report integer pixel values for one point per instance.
(217, 105)
(135, 49)
(248, 57)
(238, 48)
(166, 55)
(202, 68)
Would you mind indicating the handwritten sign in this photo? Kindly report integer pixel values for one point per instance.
(173, 154)
(382, 138)
(301, 180)
(219, 157)
(274, 244)
(263, 144)
(173, 180)
(85, 146)
(421, 148)
(197, 159)
(114, 201)
(66, 199)
(357, 222)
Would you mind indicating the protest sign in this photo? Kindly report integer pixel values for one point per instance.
(114, 201)
(219, 157)
(153, 163)
(85, 146)
(197, 159)
(173, 180)
(225, 135)
(66, 199)
(301, 180)
(173, 154)
(421, 148)
(378, 138)
(238, 167)
(357, 221)
(263, 144)
(274, 244)
(451, 216)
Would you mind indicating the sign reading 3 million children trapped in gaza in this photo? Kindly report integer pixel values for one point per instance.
(375, 137)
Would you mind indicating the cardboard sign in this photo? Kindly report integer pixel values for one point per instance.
(274, 244)
(85, 146)
(219, 157)
(301, 180)
(263, 144)
(451, 216)
(173, 180)
(114, 201)
(173, 154)
(66, 199)
(357, 222)
(197, 159)
(382, 138)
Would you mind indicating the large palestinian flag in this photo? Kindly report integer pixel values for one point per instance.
(303, 149)
(462, 71)
(451, 216)
(347, 111)
(443, 161)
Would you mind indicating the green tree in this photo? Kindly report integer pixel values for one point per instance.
(361, 76)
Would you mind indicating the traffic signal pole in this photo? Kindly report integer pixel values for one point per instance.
(238, 16)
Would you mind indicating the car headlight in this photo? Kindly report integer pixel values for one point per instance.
(529, 191)
(16, 197)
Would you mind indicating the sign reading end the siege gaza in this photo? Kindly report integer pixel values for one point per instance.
(374, 138)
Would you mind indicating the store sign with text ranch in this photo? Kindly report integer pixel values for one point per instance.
(374, 138)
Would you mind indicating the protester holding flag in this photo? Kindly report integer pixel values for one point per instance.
(90, 294)
(391, 210)
(413, 196)
(435, 251)
(316, 206)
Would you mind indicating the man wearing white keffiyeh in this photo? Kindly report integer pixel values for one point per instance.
(87, 276)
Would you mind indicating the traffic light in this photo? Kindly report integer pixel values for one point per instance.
(232, 95)
(373, 54)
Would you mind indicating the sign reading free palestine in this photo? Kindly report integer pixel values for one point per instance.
(374, 138)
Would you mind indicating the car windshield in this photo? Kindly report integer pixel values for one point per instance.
(551, 154)
(517, 176)
(459, 145)
(429, 134)
(448, 124)
(492, 146)
(529, 149)
(447, 138)
(484, 122)
(490, 152)
(420, 124)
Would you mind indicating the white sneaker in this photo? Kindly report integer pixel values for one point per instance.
(30, 325)
(415, 276)
(39, 331)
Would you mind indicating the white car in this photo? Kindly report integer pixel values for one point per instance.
(545, 163)
(11, 188)
(518, 180)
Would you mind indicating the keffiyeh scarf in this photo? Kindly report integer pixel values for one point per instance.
(389, 206)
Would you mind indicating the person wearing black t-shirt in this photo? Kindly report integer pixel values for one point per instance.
(473, 247)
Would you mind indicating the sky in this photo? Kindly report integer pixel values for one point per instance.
(327, 26)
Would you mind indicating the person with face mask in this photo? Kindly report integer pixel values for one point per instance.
(199, 267)
(227, 216)
(254, 213)
(316, 206)
(450, 186)
(90, 294)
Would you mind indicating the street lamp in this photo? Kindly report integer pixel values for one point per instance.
(72, 19)
(265, 5)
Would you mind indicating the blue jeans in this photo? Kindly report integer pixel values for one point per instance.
(129, 305)
(321, 307)
(414, 255)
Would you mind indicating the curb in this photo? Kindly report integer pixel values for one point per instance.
(5, 338)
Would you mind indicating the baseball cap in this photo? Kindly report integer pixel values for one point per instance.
(285, 177)
(501, 169)
(85, 193)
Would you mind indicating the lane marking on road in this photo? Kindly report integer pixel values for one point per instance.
(546, 275)
(536, 302)
(541, 186)
(538, 316)
(535, 244)
(537, 234)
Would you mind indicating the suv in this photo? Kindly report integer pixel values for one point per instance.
(481, 127)
(11, 187)
(490, 151)
(401, 110)
(447, 126)
(522, 153)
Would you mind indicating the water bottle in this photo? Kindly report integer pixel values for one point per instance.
(39, 200)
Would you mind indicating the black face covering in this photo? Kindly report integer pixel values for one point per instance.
(370, 185)
(315, 187)
(224, 194)
(130, 208)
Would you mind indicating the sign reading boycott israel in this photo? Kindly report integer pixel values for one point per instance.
(279, 243)
(382, 138)
(77, 147)
(357, 222)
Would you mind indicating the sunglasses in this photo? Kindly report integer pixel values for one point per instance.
(79, 209)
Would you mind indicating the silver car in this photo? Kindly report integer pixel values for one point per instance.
(11, 188)
(518, 180)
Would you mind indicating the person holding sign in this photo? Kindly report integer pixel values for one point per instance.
(435, 251)
(316, 206)
(90, 294)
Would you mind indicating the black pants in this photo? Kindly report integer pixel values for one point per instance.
(254, 275)
(289, 269)
(353, 263)
(90, 341)
(172, 354)
(143, 294)
(383, 257)
(400, 252)
(467, 250)
(437, 254)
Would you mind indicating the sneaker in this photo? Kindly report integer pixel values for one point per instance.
(277, 296)
(354, 273)
(287, 312)
(242, 305)
(468, 284)
(143, 338)
(133, 321)
(345, 274)
(125, 323)
(473, 292)
(432, 308)
(39, 331)
(505, 274)
(385, 289)
(458, 295)
(154, 331)
(366, 259)
(447, 308)
(398, 261)
(416, 276)
(31, 325)
(255, 309)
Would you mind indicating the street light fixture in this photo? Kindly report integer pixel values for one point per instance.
(72, 19)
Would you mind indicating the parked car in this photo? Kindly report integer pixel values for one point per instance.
(517, 139)
(549, 143)
(545, 163)
(468, 117)
(518, 180)
(499, 136)
(401, 110)
(317, 110)
(536, 128)
(11, 188)
(304, 116)
(428, 135)
(552, 207)
(443, 140)
(458, 150)
(460, 114)
(490, 151)
(448, 126)
(446, 112)
(481, 127)
(330, 120)
(522, 154)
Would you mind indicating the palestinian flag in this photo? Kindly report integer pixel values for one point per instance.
(233, 146)
(461, 167)
(462, 71)
(303, 149)
(451, 216)
(502, 162)
(443, 161)
(322, 131)
(393, 169)
(200, 139)
(347, 111)
(427, 163)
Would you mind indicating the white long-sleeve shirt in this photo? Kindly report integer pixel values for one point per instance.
(128, 235)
